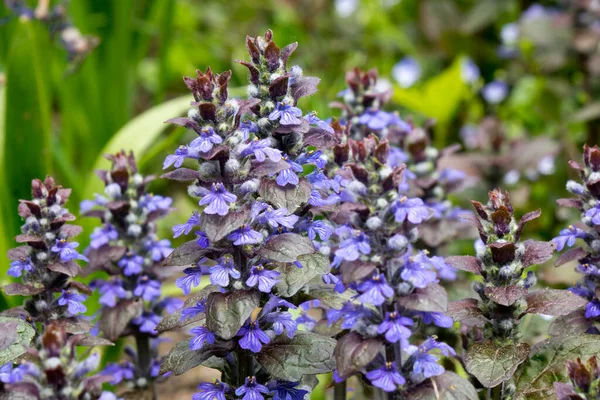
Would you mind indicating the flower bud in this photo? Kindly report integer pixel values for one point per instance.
(209, 172)
(397, 242)
(374, 223)
(232, 167)
(575, 188)
(134, 230)
(250, 186)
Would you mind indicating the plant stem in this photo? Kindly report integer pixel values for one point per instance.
(339, 391)
(245, 361)
(144, 361)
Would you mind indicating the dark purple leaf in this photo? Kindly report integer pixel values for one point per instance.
(570, 203)
(467, 312)
(186, 123)
(21, 391)
(537, 252)
(181, 358)
(271, 54)
(268, 167)
(114, 321)
(432, 298)
(492, 364)
(576, 253)
(218, 152)
(90, 341)
(319, 138)
(289, 197)
(505, 295)
(29, 239)
(20, 289)
(173, 320)
(448, 386)
(227, 312)
(286, 248)
(502, 252)
(75, 325)
(465, 263)
(304, 87)
(574, 323)
(354, 271)
(103, 257)
(80, 287)
(19, 253)
(302, 127)
(475, 221)
(279, 87)
(181, 175)
(530, 216)
(553, 302)
(69, 268)
(187, 254)
(15, 337)
(70, 231)
(217, 227)
(565, 391)
(287, 51)
(353, 353)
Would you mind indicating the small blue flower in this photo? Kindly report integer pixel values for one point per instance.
(286, 114)
(206, 140)
(282, 321)
(201, 335)
(445, 271)
(568, 237)
(437, 318)
(202, 239)
(406, 72)
(158, 249)
(220, 273)
(417, 270)
(594, 213)
(248, 127)
(184, 229)
(495, 92)
(170, 304)
(282, 390)
(469, 71)
(427, 364)
(152, 202)
(147, 289)
(245, 235)
(18, 266)
(279, 217)
(217, 201)
(177, 159)
(66, 251)
(87, 205)
(252, 337)
(11, 375)
(192, 278)
(375, 290)
(261, 149)
(73, 301)
(264, 278)
(251, 390)
(110, 291)
(395, 327)
(289, 175)
(191, 312)
(411, 210)
(375, 119)
(386, 378)
(314, 120)
(132, 264)
(122, 372)
(592, 309)
(321, 228)
(147, 322)
(351, 248)
(313, 157)
(103, 235)
(211, 391)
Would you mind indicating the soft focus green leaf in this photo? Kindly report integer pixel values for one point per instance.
(492, 364)
(15, 336)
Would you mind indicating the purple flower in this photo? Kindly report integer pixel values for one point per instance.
(282, 321)
(132, 264)
(321, 228)
(286, 114)
(265, 278)
(395, 327)
(184, 229)
(103, 235)
(312, 157)
(568, 237)
(170, 304)
(201, 335)
(124, 371)
(437, 318)
(261, 149)
(494, 92)
(375, 119)
(192, 278)
(11, 375)
(217, 200)
(18, 266)
(469, 71)
(73, 301)
(87, 205)
(445, 271)
(110, 291)
(66, 251)
(108, 396)
(592, 309)
(427, 364)
(417, 271)
(176, 159)
(375, 290)
(314, 120)
(190, 312)
(202, 239)
(220, 273)
(159, 249)
(245, 235)
(252, 337)
(251, 390)
(594, 213)
(147, 321)
(153, 202)
(211, 391)
(413, 210)
(248, 127)
(205, 141)
(275, 302)
(288, 176)
(386, 378)
(351, 248)
(406, 72)
(282, 390)
(276, 218)
(147, 289)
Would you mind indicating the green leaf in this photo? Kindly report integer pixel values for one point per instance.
(290, 359)
(492, 364)
(181, 358)
(173, 320)
(216, 227)
(292, 278)
(289, 197)
(16, 335)
(547, 364)
(448, 386)
(137, 135)
(227, 312)
(286, 248)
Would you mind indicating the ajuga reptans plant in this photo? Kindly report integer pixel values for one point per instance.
(254, 231)
(43, 334)
(128, 249)
(490, 325)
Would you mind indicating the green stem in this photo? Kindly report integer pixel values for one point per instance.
(339, 391)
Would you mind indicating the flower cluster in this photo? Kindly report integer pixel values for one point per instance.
(47, 264)
(254, 229)
(391, 285)
(53, 370)
(585, 381)
(587, 203)
(128, 249)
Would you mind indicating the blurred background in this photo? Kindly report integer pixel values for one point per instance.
(515, 82)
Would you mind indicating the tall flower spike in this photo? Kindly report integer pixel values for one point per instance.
(504, 292)
(47, 264)
(251, 241)
(128, 249)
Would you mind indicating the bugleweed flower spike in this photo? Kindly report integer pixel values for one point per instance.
(252, 232)
(490, 325)
(49, 326)
(127, 248)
